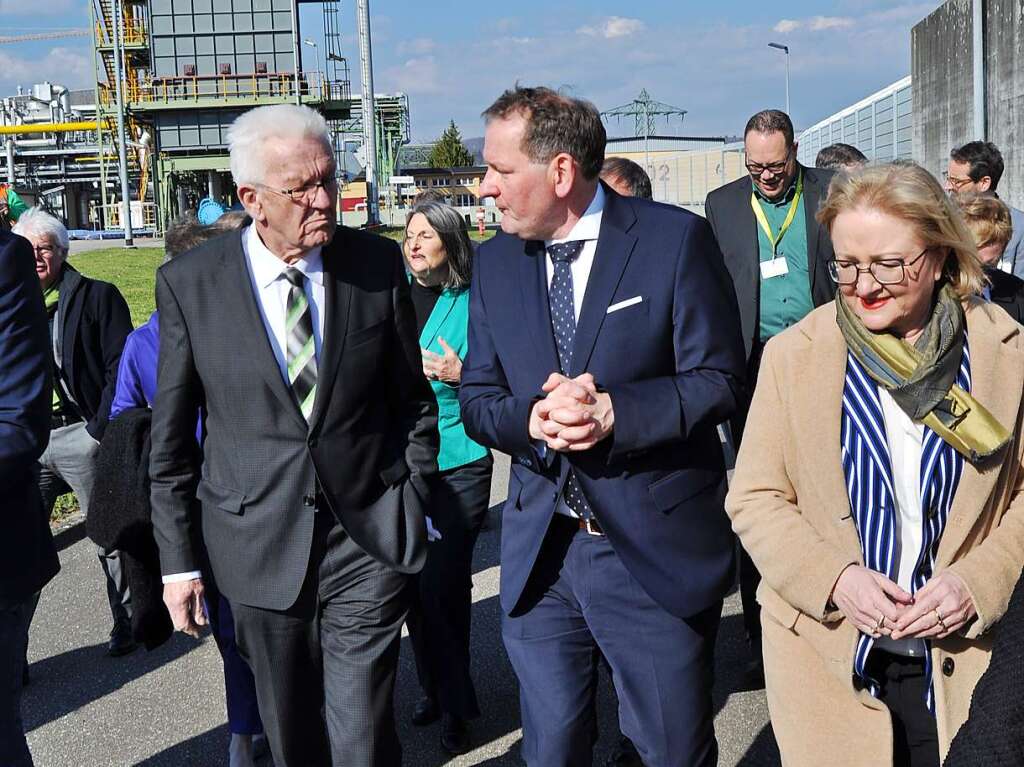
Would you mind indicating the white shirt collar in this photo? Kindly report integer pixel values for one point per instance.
(589, 225)
(266, 267)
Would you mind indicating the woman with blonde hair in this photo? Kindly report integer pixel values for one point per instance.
(877, 487)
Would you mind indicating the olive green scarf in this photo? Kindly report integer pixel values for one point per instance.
(922, 378)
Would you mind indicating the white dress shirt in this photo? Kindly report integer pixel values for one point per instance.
(271, 287)
(588, 228)
(905, 440)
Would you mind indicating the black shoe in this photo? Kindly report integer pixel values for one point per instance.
(454, 735)
(624, 754)
(426, 712)
(121, 642)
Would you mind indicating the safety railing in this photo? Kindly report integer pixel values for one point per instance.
(311, 86)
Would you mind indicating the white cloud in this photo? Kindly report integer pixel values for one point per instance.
(614, 26)
(416, 47)
(416, 76)
(814, 24)
(819, 23)
(64, 66)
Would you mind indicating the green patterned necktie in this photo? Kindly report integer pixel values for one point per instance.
(301, 351)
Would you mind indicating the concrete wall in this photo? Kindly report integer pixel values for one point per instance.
(941, 72)
(942, 50)
(1004, 91)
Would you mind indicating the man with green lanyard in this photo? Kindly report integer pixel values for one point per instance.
(777, 256)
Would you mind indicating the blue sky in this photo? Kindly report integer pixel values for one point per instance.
(454, 57)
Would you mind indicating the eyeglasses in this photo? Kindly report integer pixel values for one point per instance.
(756, 169)
(887, 271)
(305, 195)
(956, 182)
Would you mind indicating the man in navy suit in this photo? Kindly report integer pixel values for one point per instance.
(28, 559)
(603, 350)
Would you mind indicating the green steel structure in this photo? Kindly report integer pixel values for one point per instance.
(190, 67)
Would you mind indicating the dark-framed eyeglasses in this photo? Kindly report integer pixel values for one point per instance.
(956, 183)
(886, 271)
(304, 195)
(756, 169)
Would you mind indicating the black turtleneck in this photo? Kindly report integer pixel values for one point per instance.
(423, 301)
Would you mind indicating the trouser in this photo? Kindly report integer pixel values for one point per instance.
(439, 616)
(902, 687)
(69, 463)
(333, 655)
(14, 622)
(239, 684)
(581, 599)
(749, 576)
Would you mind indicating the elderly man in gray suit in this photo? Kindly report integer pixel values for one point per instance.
(297, 342)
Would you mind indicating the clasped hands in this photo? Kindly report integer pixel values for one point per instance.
(573, 415)
(878, 607)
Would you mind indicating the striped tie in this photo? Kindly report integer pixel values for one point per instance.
(301, 349)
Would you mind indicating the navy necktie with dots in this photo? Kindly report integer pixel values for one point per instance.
(563, 323)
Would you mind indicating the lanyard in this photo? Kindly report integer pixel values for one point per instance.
(763, 220)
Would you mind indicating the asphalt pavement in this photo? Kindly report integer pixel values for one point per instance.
(165, 708)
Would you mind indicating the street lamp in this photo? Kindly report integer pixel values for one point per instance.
(784, 49)
(316, 52)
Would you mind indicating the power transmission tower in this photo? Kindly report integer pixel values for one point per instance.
(645, 112)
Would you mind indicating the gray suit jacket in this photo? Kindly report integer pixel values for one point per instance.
(1014, 251)
(263, 472)
(728, 211)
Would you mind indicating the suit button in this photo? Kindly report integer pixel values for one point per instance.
(312, 442)
(554, 495)
(309, 500)
(948, 666)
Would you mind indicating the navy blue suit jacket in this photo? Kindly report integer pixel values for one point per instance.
(28, 558)
(672, 364)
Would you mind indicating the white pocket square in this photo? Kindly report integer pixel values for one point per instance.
(623, 304)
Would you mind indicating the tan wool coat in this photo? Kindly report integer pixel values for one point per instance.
(788, 504)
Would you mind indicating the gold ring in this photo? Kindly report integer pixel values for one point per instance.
(941, 621)
(880, 622)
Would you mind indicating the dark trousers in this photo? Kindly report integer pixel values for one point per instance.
(14, 622)
(581, 599)
(749, 576)
(325, 668)
(903, 686)
(239, 684)
(439, 616)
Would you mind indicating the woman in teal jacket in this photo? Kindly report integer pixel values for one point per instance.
(439, 256)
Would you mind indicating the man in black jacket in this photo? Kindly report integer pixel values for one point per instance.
(89, 321)
(28, 559)
(777, 256)
(298, 340)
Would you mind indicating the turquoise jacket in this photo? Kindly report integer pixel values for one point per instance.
(450, 321)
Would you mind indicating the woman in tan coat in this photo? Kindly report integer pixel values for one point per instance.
(878, 484)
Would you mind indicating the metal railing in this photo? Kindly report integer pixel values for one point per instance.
(134, 32)
(312, 86)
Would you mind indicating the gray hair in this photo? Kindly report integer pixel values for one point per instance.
(451, 228)
(251, 130)
(36, 222)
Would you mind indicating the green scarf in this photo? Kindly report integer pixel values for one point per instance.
(922, 378)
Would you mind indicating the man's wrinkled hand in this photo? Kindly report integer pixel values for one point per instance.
(184, 601)
(573, 415)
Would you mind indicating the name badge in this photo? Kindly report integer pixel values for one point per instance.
(774, 268)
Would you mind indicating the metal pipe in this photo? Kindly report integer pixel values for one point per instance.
(978, 51)
(122, 158)
(296, 51)
(368, 108)
(14, 130)
(10, 161)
